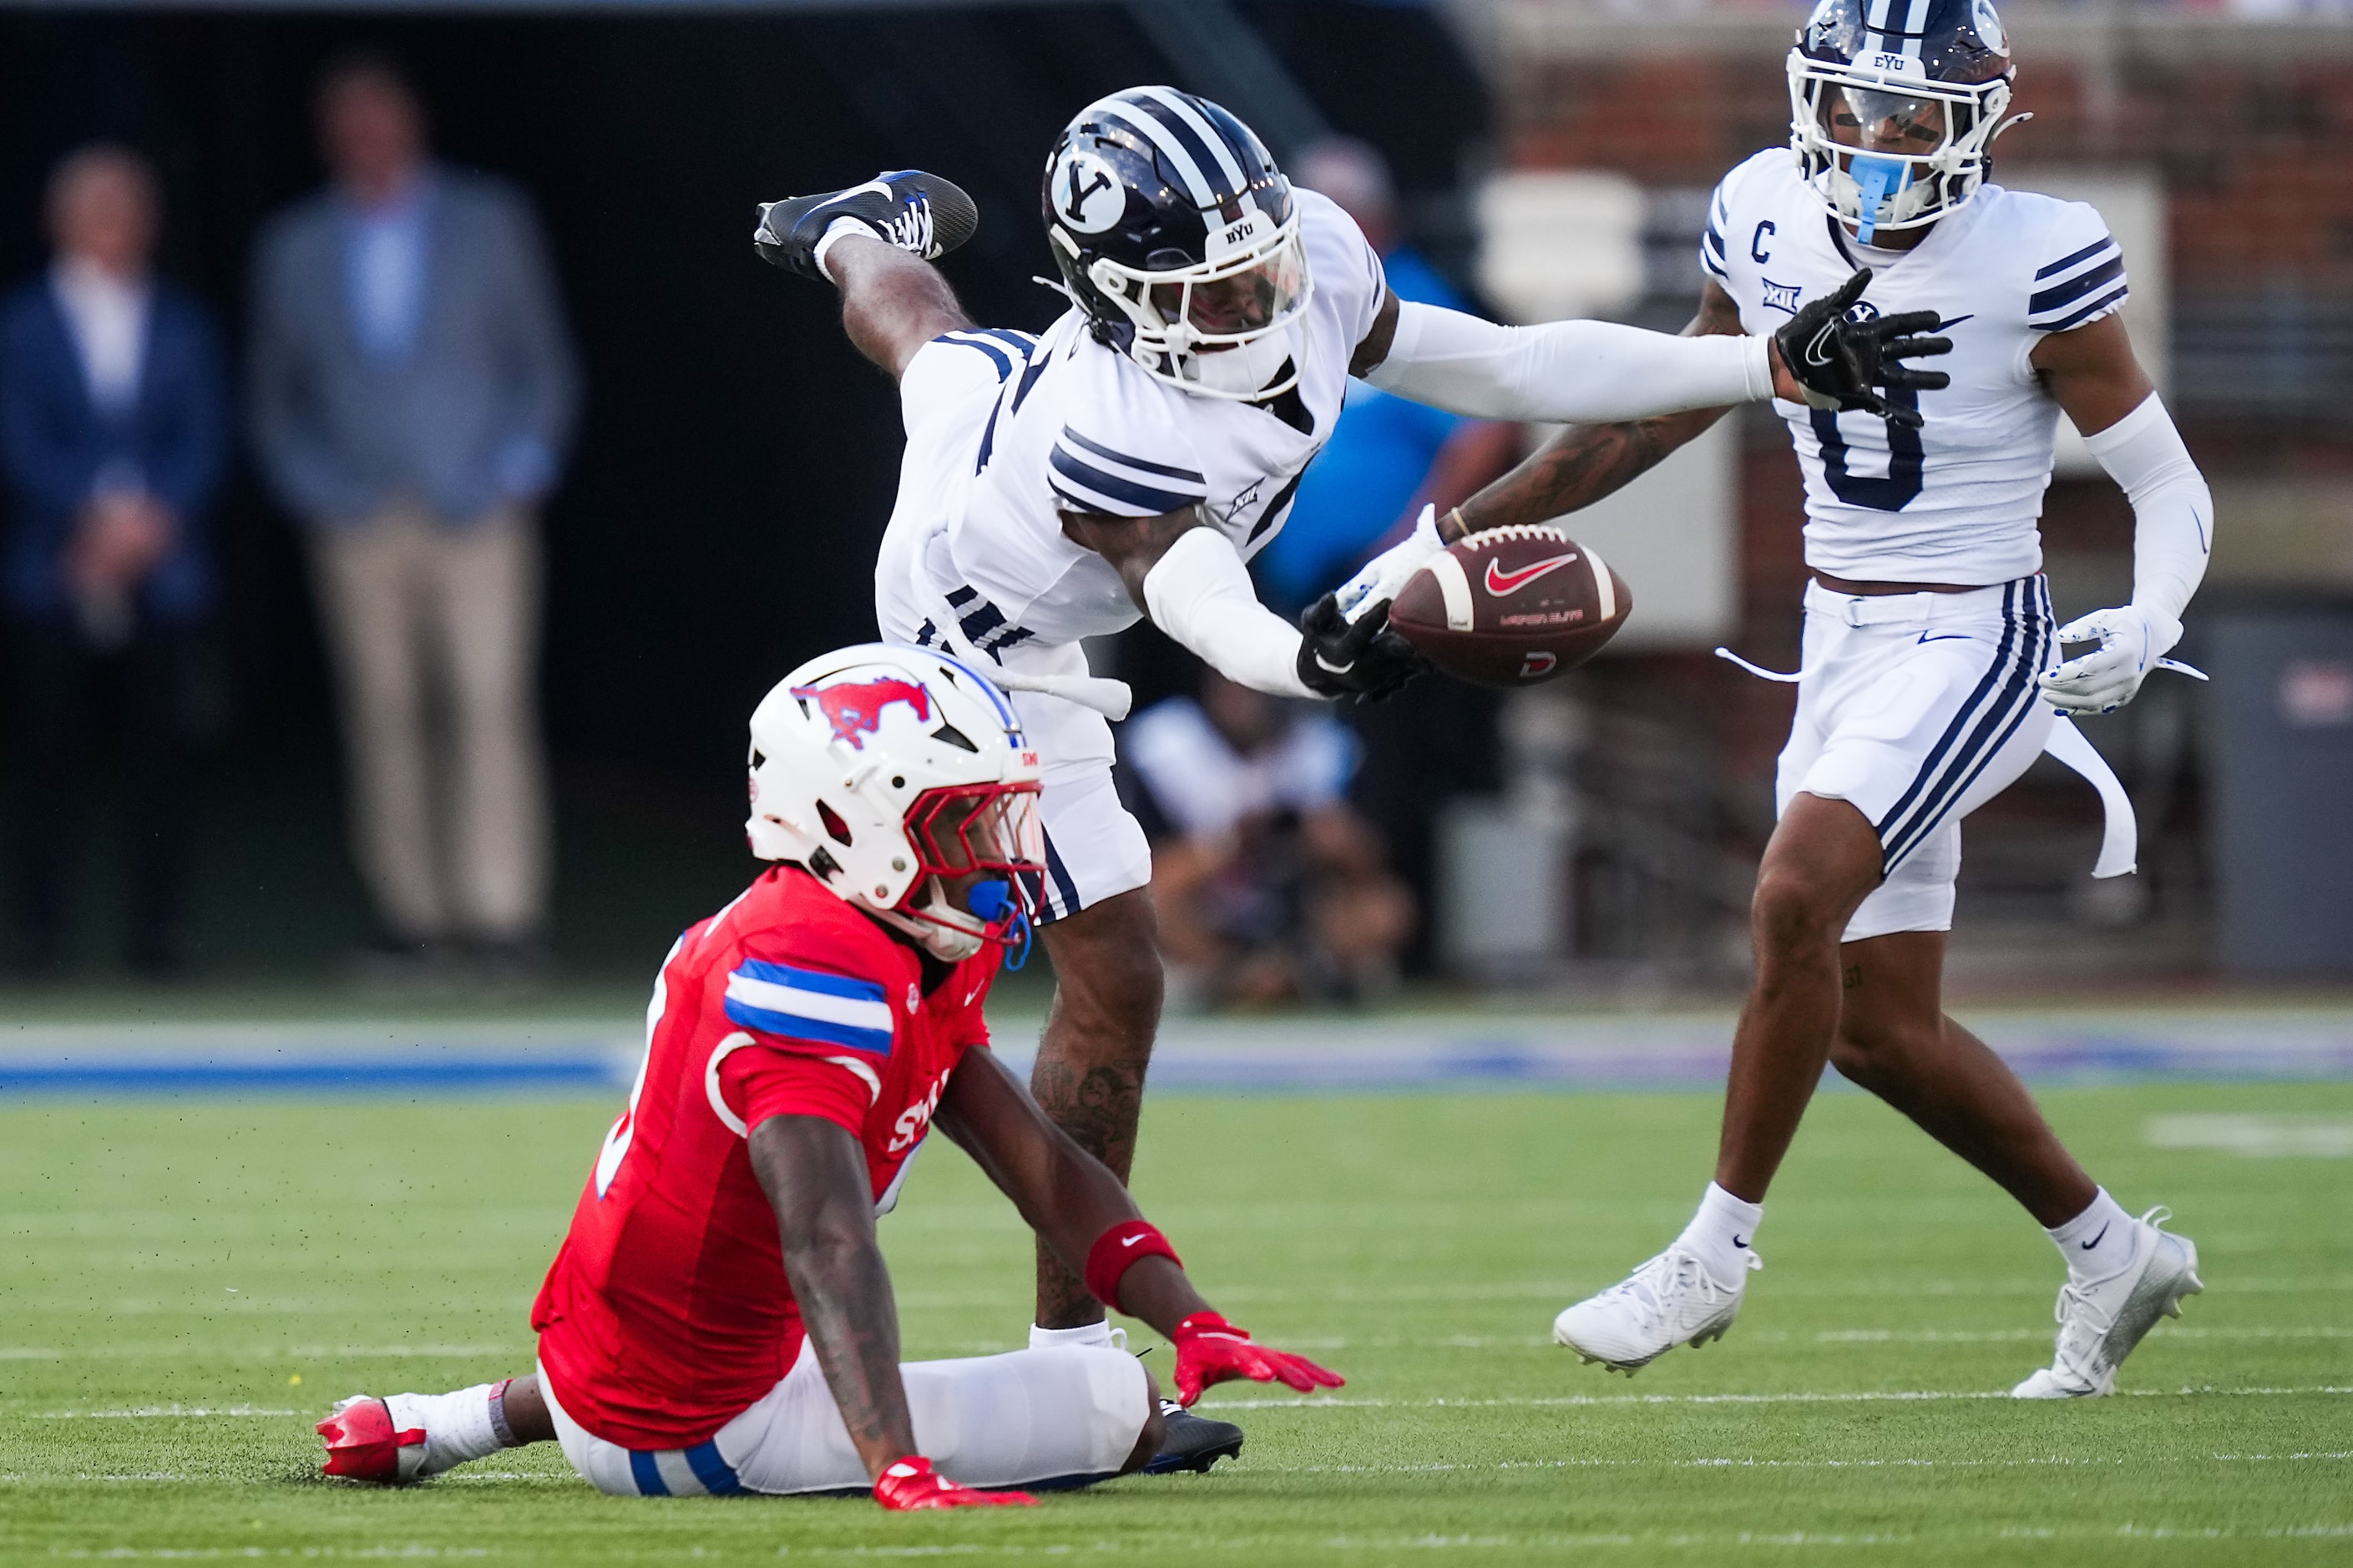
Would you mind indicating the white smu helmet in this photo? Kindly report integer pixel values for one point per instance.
(883, 768)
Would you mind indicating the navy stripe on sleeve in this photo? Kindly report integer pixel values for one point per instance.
(2064, 262)
(1124, 460)
(1003, 364)
(2075, 287)
(2086, 313)
(1147, 501)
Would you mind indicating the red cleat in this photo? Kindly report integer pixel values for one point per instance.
(365, 1443)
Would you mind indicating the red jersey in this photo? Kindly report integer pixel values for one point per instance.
(667, 1313)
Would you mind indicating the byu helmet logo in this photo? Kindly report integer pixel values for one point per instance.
(1087, 195)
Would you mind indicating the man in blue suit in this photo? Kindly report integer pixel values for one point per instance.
(413, 393)
(112, 434)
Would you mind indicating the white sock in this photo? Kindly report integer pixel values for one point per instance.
(2098, 1242)
(458, 1426)
(834, 231)
(1721, 1234)
(1096, 1333)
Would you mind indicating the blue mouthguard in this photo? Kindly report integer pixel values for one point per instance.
(991, 901)
(1879, 178)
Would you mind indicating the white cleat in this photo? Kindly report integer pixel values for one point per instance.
(2100, 1322)
(1670, 1300)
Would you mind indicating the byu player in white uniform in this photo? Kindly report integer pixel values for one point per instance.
(1131, 458)
(1931, 667)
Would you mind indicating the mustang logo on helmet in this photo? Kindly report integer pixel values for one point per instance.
(855, 708)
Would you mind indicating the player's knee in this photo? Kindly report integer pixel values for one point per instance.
(1794, 908)
(1869, 1051)
(1154, 1433)
(1855, 1056)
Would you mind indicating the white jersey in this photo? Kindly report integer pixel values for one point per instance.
(1958, 499)
(1080, 426)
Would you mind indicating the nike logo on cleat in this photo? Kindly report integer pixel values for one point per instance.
(2095, 1240)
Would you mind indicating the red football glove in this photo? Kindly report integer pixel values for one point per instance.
(363, 1442)
(911, 1483)
(1210, 1349)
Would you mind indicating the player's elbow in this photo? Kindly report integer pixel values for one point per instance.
(829, 1245)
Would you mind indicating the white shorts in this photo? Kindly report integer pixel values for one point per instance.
(1094, 849)
(1917, 709)
(1061, 1417)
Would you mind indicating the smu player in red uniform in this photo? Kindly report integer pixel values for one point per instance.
(719, 1317)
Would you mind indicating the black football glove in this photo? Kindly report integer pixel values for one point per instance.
(1843, 364)
(1364, 658)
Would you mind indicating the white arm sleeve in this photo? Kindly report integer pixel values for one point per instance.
(1199, 592)
(2173, 511)
(1564, 372)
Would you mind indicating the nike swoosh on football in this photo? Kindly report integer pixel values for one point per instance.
(1500, 582)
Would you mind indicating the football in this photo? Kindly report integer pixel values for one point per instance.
(1512, 607)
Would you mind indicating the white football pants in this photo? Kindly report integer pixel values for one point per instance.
(1063, 1416)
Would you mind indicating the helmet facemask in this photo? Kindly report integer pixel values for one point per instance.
(1222, 327)
(958, 831)
(1892, 148)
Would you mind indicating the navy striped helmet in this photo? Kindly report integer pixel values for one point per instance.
(1178, 238)
(1893, 106)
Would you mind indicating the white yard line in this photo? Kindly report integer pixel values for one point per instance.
(260, 1353)
(1857, 1397)
(161, 1413)
(1751, 1464)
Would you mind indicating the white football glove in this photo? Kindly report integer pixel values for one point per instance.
(1384, 576)
(2133, 639)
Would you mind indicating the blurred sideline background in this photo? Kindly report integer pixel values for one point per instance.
(1587, 845)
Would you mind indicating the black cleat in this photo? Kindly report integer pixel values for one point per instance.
(1193, 1443)
(920, 214)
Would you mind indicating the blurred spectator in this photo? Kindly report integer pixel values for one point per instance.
(1387, 457)
(1268, 885)
(112, 428)
(413, 392)
(1386, 460)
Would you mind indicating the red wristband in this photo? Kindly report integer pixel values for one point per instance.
(1117, 1250)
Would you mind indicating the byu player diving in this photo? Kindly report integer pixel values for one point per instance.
(1931, 667)
(1132, 458)
(719, 1318)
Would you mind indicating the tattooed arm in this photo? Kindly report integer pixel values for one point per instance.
(1586, 462)
(815, 1176)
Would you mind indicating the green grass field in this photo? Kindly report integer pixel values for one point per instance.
(184, 1286)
